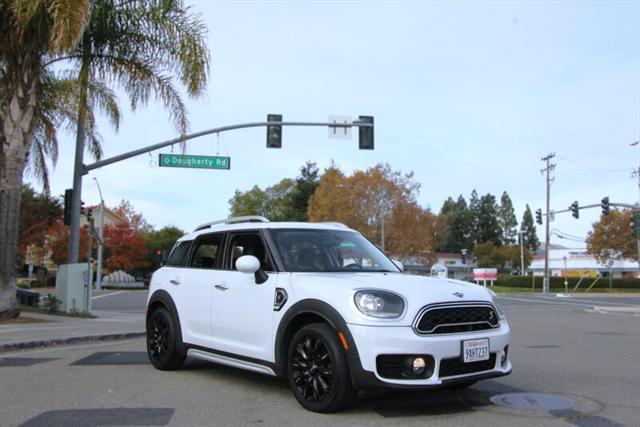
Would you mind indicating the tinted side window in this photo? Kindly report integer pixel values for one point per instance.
(207, 253)
(178, 254)
(249, 244)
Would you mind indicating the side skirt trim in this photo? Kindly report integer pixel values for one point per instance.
(230, 361)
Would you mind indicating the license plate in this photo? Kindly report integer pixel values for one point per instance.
(475, 350)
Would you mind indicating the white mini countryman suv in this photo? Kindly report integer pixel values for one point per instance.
(320, 305)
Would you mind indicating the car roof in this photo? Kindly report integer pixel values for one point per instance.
(218, 228)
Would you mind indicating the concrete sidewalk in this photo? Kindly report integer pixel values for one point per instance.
(57, 330)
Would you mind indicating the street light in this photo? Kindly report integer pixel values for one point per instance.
(100, 240)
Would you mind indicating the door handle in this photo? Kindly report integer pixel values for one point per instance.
(174, 282)
(222, 287)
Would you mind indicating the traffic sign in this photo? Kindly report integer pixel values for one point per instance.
(340, 132)
(195, 162)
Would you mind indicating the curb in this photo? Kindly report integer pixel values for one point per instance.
(628, 311)
(67, 341)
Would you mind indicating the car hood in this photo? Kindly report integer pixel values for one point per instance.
(338, 289)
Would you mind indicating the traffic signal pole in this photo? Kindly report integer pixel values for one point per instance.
(549, 167)
(80, 169)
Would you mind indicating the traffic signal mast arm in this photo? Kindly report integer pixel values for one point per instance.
(143, 150)
(620, 205)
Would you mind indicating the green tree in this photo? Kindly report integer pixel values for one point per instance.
(488, 226)
(306, 184)
(474, 217)
(504, 258)
(507, 220)
(162, 240)
(458, 230)
(285, 201)
(529, 235)
(31, 31)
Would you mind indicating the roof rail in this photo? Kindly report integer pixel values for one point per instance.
(233, 220)
(337, 224)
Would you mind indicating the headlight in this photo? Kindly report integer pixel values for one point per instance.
(379, 304)
(497, 304)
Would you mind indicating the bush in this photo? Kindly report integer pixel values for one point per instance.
(50, 303)
(23, 284)
(558, 282)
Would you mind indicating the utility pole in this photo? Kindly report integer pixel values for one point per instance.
(548, 169)
(521, 234)
(636, 174)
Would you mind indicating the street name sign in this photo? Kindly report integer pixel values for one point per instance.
(195, 162)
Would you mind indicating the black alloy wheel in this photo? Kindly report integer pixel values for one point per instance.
(162, 346)
(317, 369)
(312, 368)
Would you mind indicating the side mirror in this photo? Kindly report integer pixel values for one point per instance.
(249, 264)
(398, 264)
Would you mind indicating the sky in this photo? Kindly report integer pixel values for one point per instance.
(467, 95)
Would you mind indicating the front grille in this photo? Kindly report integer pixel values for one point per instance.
(455, 366)
(454, 319)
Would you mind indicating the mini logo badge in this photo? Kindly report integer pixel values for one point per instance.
(458, 294)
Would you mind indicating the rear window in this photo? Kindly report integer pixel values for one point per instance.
(178, 254)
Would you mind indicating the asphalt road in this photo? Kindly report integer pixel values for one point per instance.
(558, 348)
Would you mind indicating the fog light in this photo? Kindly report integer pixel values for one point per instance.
(418, 365)
(503, 355)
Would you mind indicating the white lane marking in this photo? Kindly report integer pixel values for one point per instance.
(541, 301)
(109, 295)
(589, 301)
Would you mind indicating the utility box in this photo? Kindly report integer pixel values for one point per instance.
(72, 288)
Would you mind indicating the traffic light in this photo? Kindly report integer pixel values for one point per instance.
(159, 253)
(274, 133)
(81, 207)
(575, 209)
(539, 216)
(68, 195)
(89, 214)
(365, 134)
(605, 206)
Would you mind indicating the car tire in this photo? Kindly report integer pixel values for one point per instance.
(163, 347)
(317, 370)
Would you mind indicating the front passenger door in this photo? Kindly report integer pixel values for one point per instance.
(241, 310)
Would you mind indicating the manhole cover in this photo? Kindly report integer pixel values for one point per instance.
(533, 401)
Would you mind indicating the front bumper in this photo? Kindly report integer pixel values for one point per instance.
(373, 341)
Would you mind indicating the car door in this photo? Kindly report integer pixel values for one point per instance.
(241, 310)
(169, 278)
(196, 284)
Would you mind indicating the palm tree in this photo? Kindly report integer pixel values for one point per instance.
(31, 30)
(137, 46)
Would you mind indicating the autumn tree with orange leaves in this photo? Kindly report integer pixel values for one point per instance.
(612, 237)
(362, 200)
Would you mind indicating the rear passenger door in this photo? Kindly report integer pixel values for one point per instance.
(197, 281)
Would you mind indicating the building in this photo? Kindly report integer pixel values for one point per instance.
(448, 265)
(579, 263)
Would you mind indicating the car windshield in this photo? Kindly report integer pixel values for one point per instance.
(309, 250)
